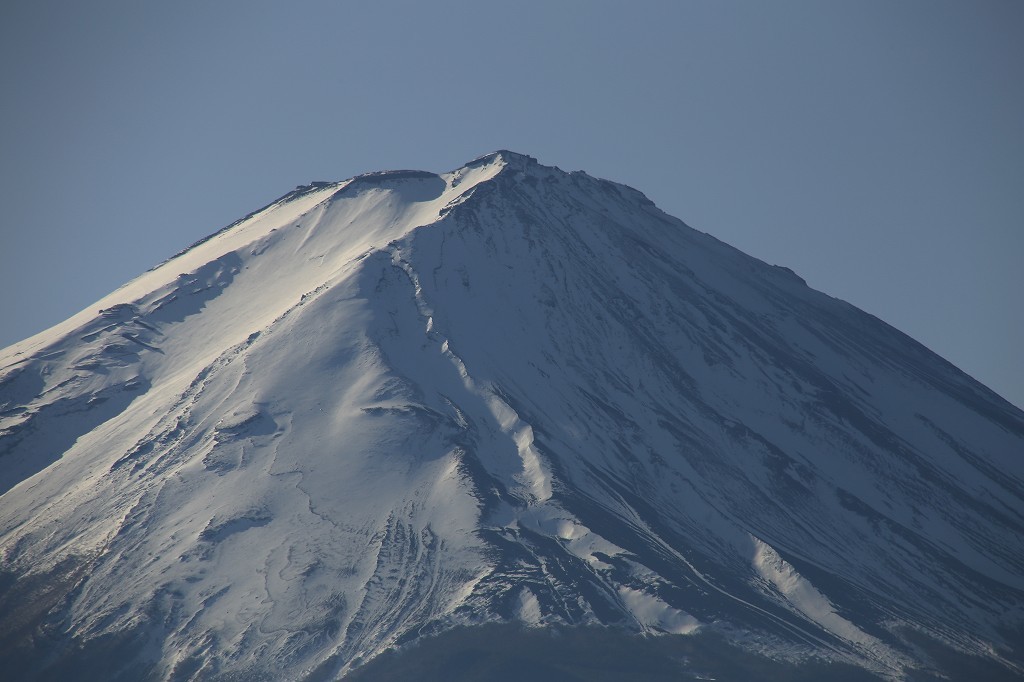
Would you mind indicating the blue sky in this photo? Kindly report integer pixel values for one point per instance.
(876, 148)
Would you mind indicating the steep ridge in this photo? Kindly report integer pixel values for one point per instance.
(381, 408)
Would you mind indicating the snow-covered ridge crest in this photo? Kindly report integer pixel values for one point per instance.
(384, 407)
(799, 594)
(406, 186)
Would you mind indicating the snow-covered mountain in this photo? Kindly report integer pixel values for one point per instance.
(381, 408)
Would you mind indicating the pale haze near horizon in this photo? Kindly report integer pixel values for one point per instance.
(875, 148)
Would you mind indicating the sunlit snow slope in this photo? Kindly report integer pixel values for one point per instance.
(380, 408)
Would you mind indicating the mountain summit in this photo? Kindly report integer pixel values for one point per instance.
(383, 408)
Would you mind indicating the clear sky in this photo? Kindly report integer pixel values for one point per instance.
(875, 147)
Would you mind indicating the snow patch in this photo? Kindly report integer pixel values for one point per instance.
(806, 599)
(528, 608)
(654, 613)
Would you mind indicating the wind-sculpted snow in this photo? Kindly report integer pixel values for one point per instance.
(379, 409)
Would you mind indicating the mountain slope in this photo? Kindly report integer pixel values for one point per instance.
(381, 408)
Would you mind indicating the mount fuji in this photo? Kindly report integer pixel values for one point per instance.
(381, 411)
